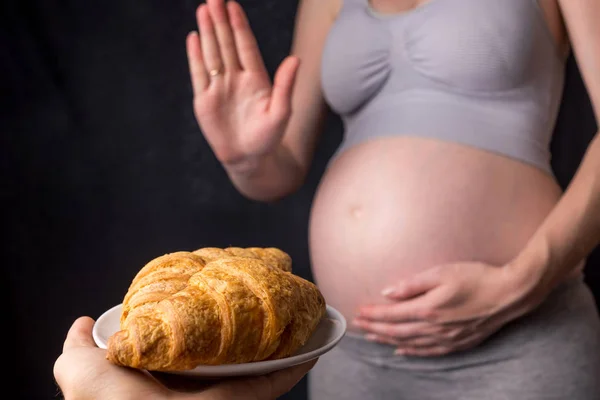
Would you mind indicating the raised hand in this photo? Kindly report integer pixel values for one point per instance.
(240, 112)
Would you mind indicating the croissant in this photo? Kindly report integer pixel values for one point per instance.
(168, 274)
(215, 306)
(270, 255)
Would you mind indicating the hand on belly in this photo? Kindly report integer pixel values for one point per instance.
(446, 309)
(396, 208)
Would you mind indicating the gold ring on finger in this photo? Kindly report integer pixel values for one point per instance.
(214, 72)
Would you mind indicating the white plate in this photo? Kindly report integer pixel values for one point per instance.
(329, 332)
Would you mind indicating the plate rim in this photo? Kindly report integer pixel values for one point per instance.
(230, 370)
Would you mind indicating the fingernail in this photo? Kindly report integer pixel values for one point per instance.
(370, 337)
(387, 291)
(399, 352)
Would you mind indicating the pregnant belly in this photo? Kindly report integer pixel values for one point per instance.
(394, 206)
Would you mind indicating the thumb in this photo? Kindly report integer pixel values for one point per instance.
(283, 84)
(413, 286)
(80, 334)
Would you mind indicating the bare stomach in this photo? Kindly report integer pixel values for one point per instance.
(393, 206)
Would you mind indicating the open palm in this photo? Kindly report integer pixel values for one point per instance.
(240, 112)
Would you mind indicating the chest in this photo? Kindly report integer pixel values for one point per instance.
(463, 45)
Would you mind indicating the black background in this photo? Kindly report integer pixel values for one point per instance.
(104, 167)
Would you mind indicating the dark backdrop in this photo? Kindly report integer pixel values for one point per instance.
(104, 168)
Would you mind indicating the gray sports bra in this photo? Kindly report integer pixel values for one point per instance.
(483, 73)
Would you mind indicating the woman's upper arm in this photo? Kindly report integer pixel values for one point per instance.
(313, 21)
(581, 19)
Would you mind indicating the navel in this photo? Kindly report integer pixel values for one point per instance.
(356, 212)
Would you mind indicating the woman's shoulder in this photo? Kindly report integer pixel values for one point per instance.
(329, 7)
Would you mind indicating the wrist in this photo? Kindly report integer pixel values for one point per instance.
(530, 274)
(255, 165)
(247, 166)
(533, 263)
(266, 177)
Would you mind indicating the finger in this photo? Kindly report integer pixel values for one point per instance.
(428, 341)
(283, 381)
(280, 106)
(422, 343)
(198, 73)
(80, 334)
(397, 331)
(414, 286)
(208, 40)
(435, 350)
(419, 309)
(224, 33)
(180, 383)
(270, 386)
(248, 51)
(372, 337)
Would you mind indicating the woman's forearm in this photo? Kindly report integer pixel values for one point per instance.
(571, 231)
(269, 177)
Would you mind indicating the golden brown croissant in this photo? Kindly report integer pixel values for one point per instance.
(168, 274)
(215, 306)
(271, 255)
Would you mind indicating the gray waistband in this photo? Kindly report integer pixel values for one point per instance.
(509, 343)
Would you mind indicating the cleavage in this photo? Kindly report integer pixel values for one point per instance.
(391, 7)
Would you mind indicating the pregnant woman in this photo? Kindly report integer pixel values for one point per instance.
(438, 229)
